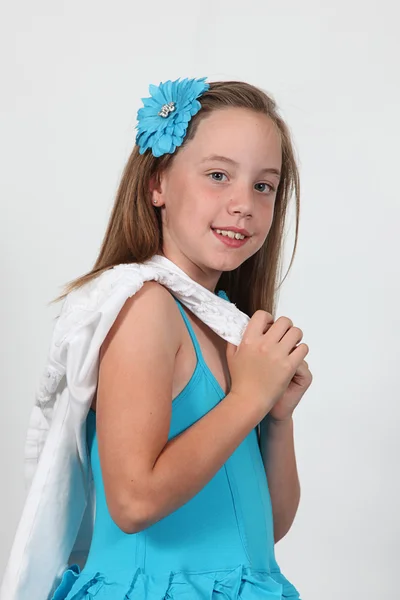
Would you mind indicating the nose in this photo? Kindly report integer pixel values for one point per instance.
(241, 201)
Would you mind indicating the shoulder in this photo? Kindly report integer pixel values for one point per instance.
(151, 311)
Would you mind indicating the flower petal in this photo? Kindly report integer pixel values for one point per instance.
(157, 94)
(165, 134)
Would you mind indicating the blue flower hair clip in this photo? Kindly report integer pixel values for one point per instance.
(163, 120)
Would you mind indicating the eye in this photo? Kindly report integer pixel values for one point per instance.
(216, 173)
(219, 175)
(272, 189)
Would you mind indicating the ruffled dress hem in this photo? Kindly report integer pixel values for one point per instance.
(239, 583)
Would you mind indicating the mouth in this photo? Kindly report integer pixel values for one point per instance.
(234, 230)
(228, 241)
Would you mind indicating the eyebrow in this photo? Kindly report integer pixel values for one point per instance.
(217, 157)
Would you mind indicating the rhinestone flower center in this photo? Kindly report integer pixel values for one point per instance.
(166, 109)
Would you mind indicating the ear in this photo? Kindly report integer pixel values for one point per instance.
(155, 188)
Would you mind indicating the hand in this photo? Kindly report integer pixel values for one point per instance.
(284, 407)
(266, 360)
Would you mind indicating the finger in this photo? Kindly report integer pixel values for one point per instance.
(291, 339)
(259, 323)
(279, 329)
(302, 368)
(299, 353)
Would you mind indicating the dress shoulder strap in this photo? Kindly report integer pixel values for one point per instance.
(192, 334)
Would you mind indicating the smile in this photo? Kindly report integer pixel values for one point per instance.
(228, 241)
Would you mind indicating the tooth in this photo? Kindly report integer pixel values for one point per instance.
(230, 234)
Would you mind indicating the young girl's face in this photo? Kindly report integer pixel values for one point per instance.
(227, 175)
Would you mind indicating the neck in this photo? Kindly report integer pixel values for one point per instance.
(192, 271)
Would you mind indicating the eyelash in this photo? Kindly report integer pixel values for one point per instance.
(273, 189)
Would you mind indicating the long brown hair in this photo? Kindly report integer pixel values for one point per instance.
(134, 231)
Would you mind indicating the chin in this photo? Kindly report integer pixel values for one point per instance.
(226, 263)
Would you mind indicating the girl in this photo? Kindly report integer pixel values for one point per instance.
(184, 426)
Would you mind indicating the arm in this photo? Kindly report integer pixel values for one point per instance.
(146, 476)
(278, 453)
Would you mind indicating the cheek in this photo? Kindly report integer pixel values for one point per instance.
(267, 215)
(195, 202)
(266, 226)
(188, 190)
(202, 202)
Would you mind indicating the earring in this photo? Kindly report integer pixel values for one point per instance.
(155, 201)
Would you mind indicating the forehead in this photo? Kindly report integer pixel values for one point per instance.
(236, 131)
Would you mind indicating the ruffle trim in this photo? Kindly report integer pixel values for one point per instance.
(240, 583)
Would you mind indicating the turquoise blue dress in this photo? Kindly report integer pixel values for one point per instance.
(217, 546)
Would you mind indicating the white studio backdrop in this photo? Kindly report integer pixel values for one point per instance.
(73, 74)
